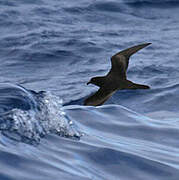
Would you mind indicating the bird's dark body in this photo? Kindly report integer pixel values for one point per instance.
(116, 79)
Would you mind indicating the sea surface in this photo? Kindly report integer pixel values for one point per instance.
(49, 49)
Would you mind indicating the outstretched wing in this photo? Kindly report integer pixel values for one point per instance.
(120, 61)
(99, 97)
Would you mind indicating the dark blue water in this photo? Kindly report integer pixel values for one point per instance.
(48, 51)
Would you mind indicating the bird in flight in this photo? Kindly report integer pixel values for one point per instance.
(116, 78)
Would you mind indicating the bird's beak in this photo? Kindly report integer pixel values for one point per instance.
(88, 82)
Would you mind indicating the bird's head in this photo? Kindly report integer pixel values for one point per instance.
(92, 81)
(98, 81)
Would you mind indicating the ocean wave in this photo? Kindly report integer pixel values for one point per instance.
(109, 135)
(26, 116)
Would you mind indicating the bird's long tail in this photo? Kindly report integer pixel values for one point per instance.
(131, 85)
(139, 86)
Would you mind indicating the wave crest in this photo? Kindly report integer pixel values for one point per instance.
(30, 125)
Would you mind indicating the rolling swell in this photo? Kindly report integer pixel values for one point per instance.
(133, 137)
(115, 139)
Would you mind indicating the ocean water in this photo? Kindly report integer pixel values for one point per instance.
(48, 52)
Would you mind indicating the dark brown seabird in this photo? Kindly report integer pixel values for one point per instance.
(116, 78)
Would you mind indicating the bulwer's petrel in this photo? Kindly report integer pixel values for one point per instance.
(116, 78)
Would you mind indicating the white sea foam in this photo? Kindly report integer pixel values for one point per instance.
(31, 125)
